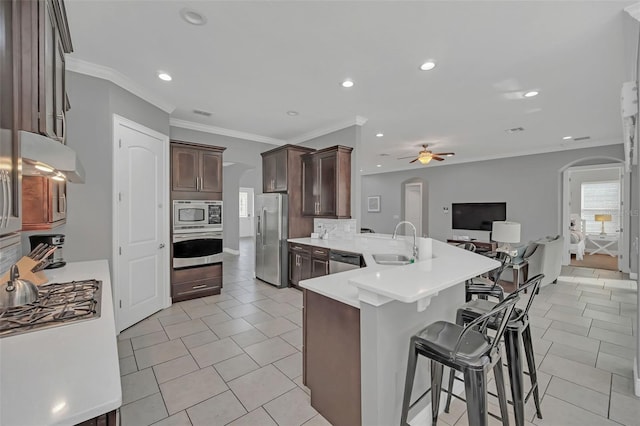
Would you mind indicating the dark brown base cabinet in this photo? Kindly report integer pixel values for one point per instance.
(331, 358)
(200, 281)
(307, 262)
(107, 419)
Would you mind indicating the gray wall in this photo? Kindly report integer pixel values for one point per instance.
(350, 137)
(530, 185)
(246, 156)
(93, 103)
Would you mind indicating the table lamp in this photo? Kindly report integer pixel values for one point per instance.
(602, 218)
(506, 233)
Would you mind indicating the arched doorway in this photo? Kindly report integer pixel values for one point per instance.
(584, 173)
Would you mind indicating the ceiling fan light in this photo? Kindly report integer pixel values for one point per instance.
(424, 159)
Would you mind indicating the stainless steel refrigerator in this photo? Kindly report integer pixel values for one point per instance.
(271, 239)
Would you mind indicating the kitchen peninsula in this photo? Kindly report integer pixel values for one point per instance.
(357, 323)
(68, 373)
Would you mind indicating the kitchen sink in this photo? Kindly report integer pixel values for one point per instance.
(391, 259)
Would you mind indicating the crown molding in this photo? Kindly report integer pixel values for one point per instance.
(542, 150)
(99, 71)
(184, 124)
(357, 121)
(634, 11)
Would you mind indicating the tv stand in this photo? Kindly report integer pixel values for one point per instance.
(481, 245)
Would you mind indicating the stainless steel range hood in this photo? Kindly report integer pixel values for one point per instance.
(39, 154)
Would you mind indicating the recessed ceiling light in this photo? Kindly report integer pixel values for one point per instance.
(292, 113)
(428, 66)
(164, 76)
(192, 17)
(347, 83)
(531, 94)
(378, 165)
(360, 169)
(379, 135)
(566, 138)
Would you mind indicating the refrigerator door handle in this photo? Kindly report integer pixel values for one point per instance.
(264, 216)
(259, 232)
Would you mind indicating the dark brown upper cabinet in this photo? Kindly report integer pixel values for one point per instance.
(45, 39)
(326, 183)
(196, 168)
(274, 170)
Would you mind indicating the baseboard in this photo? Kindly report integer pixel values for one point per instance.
(231, 251)
(633, 275)
(636, 378)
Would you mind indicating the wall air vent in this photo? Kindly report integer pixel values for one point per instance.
(203, 113)
(582, 138)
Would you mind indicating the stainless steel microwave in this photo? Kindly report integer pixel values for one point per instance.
(197, 216)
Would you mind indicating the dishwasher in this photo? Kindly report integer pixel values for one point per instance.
(340, 261)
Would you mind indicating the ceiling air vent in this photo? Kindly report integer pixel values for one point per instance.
(582, 138)
(515, 130)
(203, 113)
(384, 155)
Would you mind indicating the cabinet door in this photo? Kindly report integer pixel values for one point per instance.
(211, 171)
(294, 270)
(309, 199)
(327, 168)
(281, 171)
(319, 267)
(269, 173)
(47, 60)
(305, 267)
(59, 92)
(184, 169)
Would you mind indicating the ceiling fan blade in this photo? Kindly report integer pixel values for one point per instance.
(435, 157)
(445, 154)
(413, 161)
(404, 158)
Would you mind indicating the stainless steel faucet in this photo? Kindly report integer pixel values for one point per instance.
(415, 247)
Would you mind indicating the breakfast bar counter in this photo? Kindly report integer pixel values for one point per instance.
(65, 374)
(382, 306)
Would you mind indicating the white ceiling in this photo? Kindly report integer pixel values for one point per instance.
(255, 60)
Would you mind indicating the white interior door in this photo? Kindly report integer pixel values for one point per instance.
(246, 213)
(141, 219)
(413, 205)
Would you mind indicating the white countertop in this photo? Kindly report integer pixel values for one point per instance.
(67, 374)
(379, 284)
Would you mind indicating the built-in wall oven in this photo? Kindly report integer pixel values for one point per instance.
(197, 233)
(196, 249)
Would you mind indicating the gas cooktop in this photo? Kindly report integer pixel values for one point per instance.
(57, 304)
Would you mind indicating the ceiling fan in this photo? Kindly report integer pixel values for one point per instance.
(425, 156)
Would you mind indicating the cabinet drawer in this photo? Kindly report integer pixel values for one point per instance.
(319, 252)
(197, 274)
(196, 288)
(299, 248)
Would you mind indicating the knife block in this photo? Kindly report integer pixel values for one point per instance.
(25, 265)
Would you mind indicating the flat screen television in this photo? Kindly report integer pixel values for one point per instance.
(477, 216)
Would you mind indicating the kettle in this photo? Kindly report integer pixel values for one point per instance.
(16, 292)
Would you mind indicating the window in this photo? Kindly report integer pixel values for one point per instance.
(602, 198)
(244, 204)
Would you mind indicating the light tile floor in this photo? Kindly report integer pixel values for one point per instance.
(235, 358)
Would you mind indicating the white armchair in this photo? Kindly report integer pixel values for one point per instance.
(545, 257)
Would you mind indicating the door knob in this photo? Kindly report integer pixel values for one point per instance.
(161, 246)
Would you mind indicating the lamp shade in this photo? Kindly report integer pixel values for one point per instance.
(506, 232)
(602, 218)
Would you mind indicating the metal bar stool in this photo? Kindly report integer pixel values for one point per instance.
(468, 349)
(484, 287)
(517, 330)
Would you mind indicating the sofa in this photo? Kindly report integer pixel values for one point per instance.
(545, 257)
